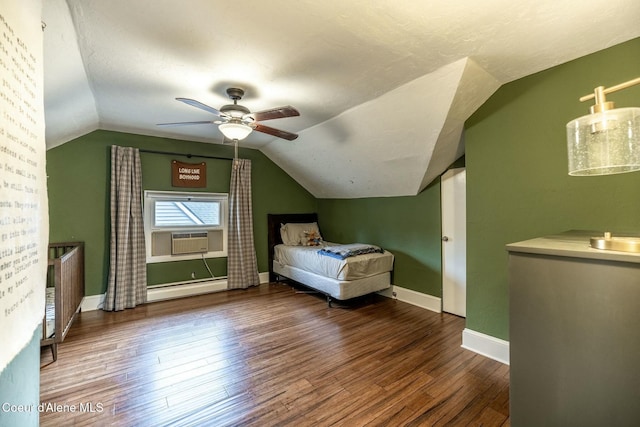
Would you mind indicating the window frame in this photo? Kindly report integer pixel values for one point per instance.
(150, 198)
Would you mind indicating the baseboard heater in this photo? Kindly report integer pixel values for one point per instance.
(186, 289)
(165, 291)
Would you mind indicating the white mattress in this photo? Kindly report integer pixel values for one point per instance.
(50, 312)
(352, 268)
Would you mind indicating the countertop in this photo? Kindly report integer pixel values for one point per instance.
(574, 243)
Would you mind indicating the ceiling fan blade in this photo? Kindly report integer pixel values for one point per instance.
(201, 106)
(275, 113)
(202, 122)
(275, 132)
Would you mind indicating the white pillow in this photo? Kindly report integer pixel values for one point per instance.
(292, 232)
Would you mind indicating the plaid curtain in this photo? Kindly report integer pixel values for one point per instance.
(242, 266)
(127, 286)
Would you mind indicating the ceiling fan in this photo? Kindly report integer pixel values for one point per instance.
(237, 122)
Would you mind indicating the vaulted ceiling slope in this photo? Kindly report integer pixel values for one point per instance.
(383, 87)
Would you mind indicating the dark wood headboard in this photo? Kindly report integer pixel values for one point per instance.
(273, 226)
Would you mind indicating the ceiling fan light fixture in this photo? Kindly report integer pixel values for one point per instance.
(237, 122)
(235, 131)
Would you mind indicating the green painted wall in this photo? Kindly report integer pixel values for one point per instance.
(407, 226)
(20, 385)
(517, 182)
(79, 184)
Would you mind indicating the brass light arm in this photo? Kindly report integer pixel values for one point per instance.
(600, 92)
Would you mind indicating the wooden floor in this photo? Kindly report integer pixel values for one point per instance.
(269, 356)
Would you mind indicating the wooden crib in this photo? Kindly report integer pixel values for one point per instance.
(65, 291)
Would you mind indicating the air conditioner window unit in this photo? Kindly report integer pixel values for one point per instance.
(189, 243)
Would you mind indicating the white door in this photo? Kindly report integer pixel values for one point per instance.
(454, 241)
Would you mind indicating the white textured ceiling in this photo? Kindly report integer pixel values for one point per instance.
(383, 87)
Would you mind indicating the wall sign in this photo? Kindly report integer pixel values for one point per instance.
(188, 174)
(24, 220)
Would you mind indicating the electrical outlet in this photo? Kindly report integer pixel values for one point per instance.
(193, 274)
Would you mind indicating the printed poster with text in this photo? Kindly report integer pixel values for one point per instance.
(24, 228)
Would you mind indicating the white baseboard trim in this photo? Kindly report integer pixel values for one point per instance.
(412, 297)
(486, 345)
(264, 277)
(170, 291)
(92, 302)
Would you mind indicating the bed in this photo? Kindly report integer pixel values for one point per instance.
(301, 261)
(64, 292)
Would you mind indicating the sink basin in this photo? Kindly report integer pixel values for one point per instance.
(623, 244)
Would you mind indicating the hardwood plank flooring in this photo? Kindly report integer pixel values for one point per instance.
(270, 356)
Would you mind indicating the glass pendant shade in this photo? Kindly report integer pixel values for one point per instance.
(238, 131)
(604, 143)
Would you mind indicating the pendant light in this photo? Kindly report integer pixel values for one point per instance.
(607, 141)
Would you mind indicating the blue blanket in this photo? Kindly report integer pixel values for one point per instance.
(346, 251)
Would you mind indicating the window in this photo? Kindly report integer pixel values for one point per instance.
(176, 213)
(185, 225)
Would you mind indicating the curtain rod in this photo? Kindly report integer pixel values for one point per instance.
(171, 153)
